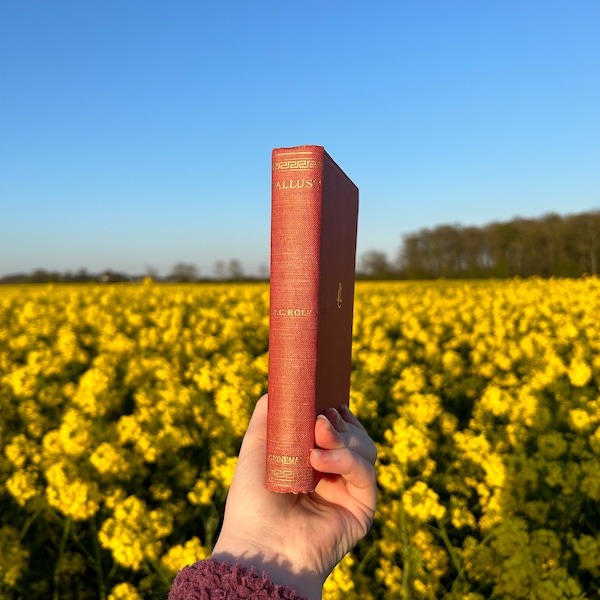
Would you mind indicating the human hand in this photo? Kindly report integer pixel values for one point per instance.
(299, 538)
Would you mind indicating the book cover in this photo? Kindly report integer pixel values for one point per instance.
(314, 216)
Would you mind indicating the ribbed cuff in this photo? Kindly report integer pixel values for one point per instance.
(213, 580)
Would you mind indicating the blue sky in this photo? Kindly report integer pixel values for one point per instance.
(134, 135)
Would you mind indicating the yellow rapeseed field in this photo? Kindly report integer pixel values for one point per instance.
(122, 408)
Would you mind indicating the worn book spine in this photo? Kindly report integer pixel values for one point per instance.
(313, 247)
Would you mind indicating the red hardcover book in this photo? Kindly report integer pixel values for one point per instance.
(314, 215)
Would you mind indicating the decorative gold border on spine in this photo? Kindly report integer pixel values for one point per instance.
(297, 164)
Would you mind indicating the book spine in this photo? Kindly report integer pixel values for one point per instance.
(294, 291)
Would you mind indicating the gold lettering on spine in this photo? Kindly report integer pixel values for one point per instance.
(276, 459)
(339, 296)
(292, 312)
(297, 184)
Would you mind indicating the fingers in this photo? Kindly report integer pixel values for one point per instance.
(340, 416)
(357, 471)
(335, 418)
(345, 449)
(332, 431)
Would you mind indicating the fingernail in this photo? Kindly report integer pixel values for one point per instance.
(322, 454)
(324, 418)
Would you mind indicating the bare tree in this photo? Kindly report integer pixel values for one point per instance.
(236, 271)
(375, 265)
(184, 273)
(219, 270)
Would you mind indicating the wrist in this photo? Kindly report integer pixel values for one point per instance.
(279, 569)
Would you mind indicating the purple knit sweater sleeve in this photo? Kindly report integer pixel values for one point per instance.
(213, 580)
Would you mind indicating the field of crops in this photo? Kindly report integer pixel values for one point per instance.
(122, 408)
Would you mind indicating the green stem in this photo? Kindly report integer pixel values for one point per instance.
(155, 565)
(98, 560)
(29, 522)
(73, 533)
(452, 552)
(211, 525)
(61, 552)
(363, 563)
(406, 574)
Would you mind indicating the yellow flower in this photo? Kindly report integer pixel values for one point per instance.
(588, 549)
(552, 445)
(579, 372)
(128, 428)
(390, 574)
(580, 420)
(222, 467)
(422, 503)
(88, 397)
(452, 363)
(594, 440)
(203, 492)
(106, 459)
(22, 485)
(75, 433)
(133, 533)
(590, 484)
(13, 557)
(432, 563)
(124, 591)
(340, 584)
(496, 400)
(412, 379)
(16, 450)
(422, 409)
(73, 497)
(409, 444)
(495, 471)
(460, 514)
(180, 556)
(510, 537)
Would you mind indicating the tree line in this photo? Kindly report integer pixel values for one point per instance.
(181, 272)
(550, 246)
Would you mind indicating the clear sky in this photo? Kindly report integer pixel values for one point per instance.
(134, 135)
